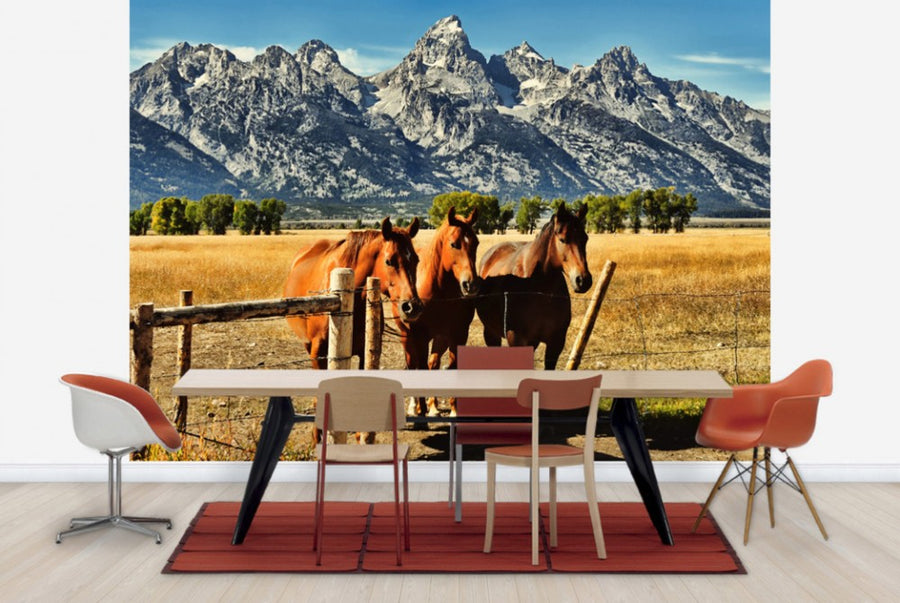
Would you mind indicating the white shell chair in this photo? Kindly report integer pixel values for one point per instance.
(116, 418)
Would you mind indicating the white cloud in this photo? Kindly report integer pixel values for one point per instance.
(751, 64)
(367, 64)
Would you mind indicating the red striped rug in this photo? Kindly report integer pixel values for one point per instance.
(359, 537)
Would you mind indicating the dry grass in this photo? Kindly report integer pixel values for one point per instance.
(694, 300)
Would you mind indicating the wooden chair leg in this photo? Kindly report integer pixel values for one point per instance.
(554, 542)
(767, 455)
(751, 492)
(590, 490)
(712, 493)
(535, 514)
(805, 493)
(398, 525)
(489, 518)
(450, 450)
(406, 526)
(320, 515)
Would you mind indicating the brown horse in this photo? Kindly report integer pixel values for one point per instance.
(524, 296)
(387, 253)
(446, 279)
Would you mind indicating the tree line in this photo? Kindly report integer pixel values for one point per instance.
(214, 212)
(659, 210)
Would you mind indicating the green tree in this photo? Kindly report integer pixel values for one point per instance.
(141, 219)
(168, 216)
(507, 213)
(681, 209)
(192, 218)
(633, 207)
(271, 211)
(246, 217)
(217, 212)
(490, 214)
(530, 209)
(656, 208)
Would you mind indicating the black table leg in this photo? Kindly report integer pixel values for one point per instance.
(630, 435)
(276, 428)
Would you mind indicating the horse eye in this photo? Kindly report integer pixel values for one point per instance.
(456, 245)
(391, 261)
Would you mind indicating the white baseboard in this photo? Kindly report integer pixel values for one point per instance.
(419, 471)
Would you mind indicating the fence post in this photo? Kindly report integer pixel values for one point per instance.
(185, 337)
(142, 345)
(587, 325)
(340, 323)
(374, 323)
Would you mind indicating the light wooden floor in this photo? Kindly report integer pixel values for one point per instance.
(860, 562)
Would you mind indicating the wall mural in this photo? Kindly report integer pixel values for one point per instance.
(621, 200)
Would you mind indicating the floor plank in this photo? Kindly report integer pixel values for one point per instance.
(859, 561)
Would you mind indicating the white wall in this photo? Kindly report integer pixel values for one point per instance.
(64, 256)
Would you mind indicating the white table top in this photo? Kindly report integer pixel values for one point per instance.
(445, 383)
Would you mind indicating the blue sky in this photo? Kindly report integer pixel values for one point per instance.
(720, 45)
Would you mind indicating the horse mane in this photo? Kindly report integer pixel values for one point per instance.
(536, 250)
(354, 243)
(430, 262)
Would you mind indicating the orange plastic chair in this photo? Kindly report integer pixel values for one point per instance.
(547, 394)
(492, 433)
(774, 415)
(362, 404)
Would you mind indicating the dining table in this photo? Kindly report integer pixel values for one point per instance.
(280, 385)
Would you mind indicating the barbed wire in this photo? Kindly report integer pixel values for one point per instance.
(644, 331)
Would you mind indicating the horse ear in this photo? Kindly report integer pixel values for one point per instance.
(386, 228)
(473, 215)
(451, 214)
(582, 212)
(414, 227)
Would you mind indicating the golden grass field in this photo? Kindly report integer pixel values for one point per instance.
(698, 299)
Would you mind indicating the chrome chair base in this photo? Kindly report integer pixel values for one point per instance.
(82, 525)
(115, 519)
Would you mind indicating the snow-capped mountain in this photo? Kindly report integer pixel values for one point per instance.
(305, 129)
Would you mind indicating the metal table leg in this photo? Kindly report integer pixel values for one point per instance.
(630, 436)
(276, 428)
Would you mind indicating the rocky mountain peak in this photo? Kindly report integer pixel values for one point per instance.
(305, 128)
(525, 50)
(318, 55)
(446, 45)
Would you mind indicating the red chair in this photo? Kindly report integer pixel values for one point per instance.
(117, 418)
(494, 433)
(773, 415)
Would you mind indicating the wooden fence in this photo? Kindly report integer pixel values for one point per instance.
(338, 304)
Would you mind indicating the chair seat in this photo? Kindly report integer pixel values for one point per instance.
(500, 433)
(727, 438)
(545, 451)
(359, 453)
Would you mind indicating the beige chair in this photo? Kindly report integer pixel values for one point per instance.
(546, 394)
(493, 433)
(362, 404)
(116, 418)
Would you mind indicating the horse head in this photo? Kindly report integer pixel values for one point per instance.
(569, 247)
(397, 268)
(458, 244)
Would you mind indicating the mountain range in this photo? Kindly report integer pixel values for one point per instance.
(303, 128)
